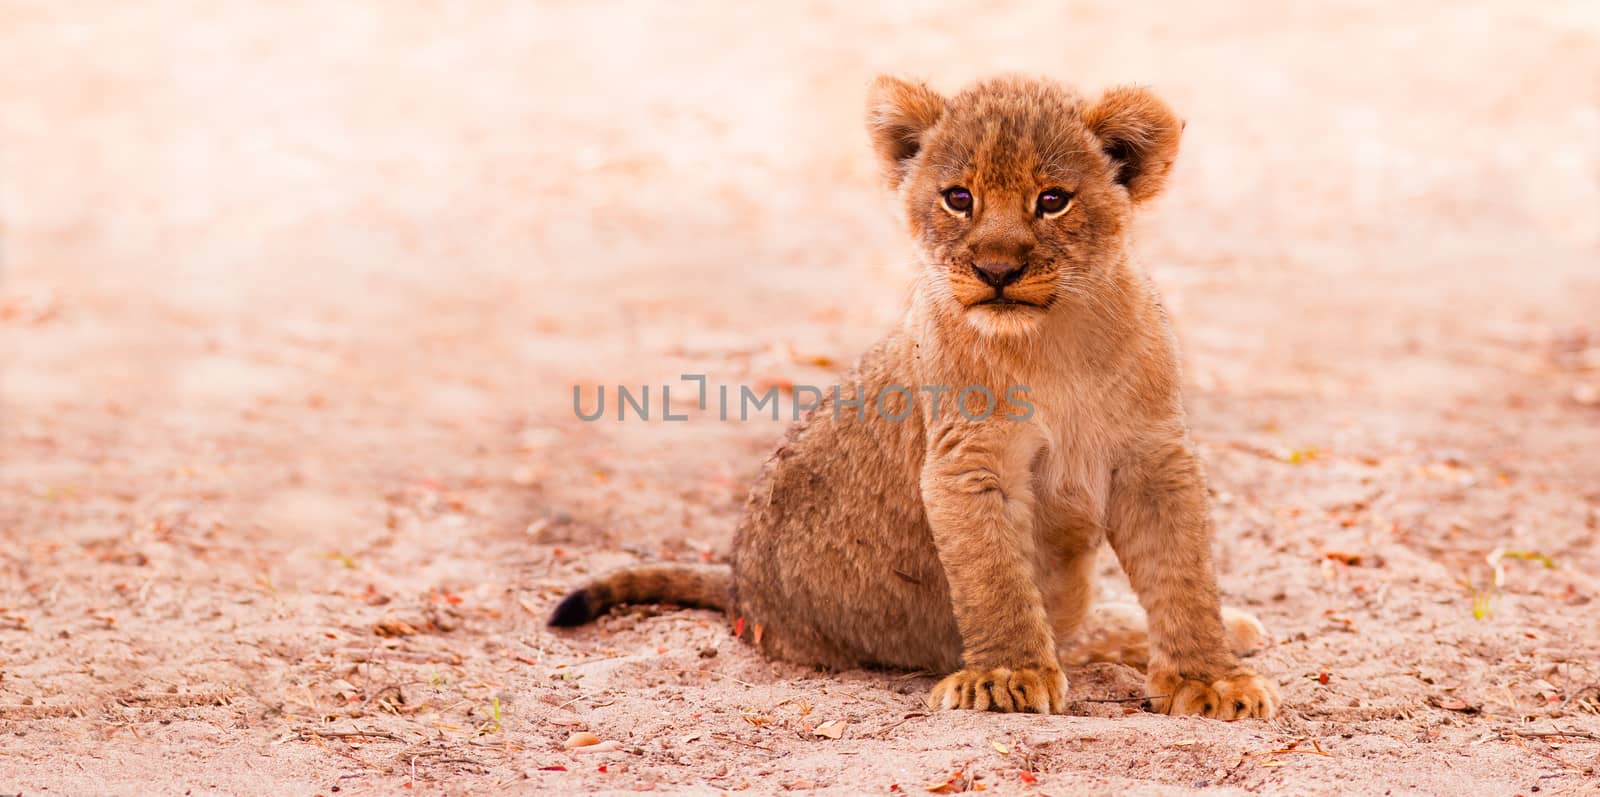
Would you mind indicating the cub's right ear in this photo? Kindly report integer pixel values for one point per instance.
(899, 113)
(1140, 134)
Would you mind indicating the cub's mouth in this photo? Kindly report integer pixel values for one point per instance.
(1003, 302)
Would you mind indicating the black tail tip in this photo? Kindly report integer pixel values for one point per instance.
(575, 609)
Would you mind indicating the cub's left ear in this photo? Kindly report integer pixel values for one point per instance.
(1140, 135)
(899, 114)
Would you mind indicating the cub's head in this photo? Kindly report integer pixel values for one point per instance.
(1017, 190)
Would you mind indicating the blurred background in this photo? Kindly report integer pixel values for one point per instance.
(578, 192)
(294, 295)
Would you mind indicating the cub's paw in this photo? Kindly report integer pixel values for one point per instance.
(1041, 690)
(1240, 694)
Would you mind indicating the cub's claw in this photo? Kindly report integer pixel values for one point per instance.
(1041, 690)
(1240, 694)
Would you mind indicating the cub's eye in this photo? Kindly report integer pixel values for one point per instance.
(958, 200)
(1053, 202)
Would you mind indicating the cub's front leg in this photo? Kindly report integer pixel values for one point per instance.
(977, 495)
(1159, 525)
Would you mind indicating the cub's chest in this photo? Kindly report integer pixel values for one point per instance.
(1078, 439)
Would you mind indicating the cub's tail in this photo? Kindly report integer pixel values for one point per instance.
(697, 586)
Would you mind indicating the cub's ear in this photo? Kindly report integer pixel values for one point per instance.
(1140, 135)
(899, 113)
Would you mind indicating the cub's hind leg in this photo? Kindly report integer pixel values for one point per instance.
(1120, 633)
(1068, 586)
(1086, 631)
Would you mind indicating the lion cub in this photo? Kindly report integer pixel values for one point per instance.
(942, 511)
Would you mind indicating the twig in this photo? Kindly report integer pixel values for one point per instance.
(1294, 747)
(1551, 734)
(468, 761)
(1546, 753)
(336, 750)
(348, 734)
(728, 738)
(585, 697)
(713, 672)
(587, 662)
(855, 696)
(1579, 693)
(891, 726)
(1291, 750)
(385, 690)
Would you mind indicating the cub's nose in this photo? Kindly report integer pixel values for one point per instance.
(998, 273)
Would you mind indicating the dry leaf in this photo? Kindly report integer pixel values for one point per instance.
(1353, 559)
(611, 746)
(393, 628)
(1000, 748)
(832, 729)
(818, 360)
(580, 739)
(768, 384)
(1302, 455)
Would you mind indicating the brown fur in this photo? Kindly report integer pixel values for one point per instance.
(949, 544)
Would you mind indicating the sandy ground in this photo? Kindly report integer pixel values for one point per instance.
(295, 296)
